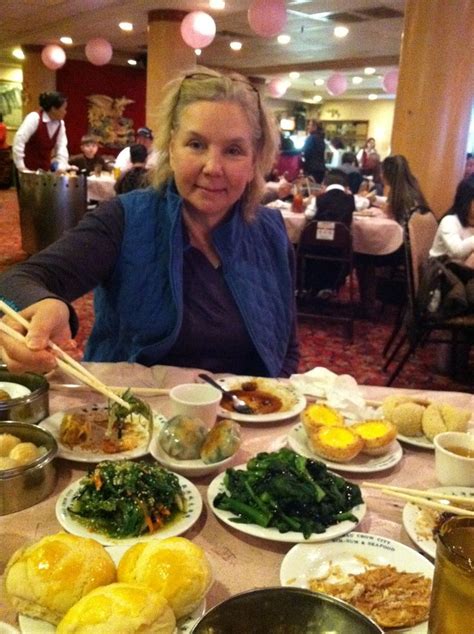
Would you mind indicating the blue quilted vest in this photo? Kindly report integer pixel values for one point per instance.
(138, 311)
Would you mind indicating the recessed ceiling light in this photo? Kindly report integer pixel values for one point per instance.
(284, 39)
(126, 26)
(66, 40)
(294, 74)
(317, 98)
(235, 45)
(341, 31)
(369, 70)
(319, 82)
(216, 4)
(18, 53)
(197, 51)
(132, 62)
(357, 80)
(372, 97)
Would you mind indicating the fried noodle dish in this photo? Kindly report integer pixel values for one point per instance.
(390, 597)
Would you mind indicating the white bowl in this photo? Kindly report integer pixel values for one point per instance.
(452, 468)
(187, 468)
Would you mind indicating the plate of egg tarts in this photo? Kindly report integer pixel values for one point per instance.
(359, 447)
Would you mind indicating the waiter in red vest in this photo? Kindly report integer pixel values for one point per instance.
(41, 140)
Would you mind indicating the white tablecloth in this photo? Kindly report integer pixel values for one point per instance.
(100, 187)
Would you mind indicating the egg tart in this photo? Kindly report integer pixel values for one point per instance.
(376, 434)
(339, 444)
(318, 415)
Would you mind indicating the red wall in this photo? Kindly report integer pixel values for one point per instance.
(78, 80)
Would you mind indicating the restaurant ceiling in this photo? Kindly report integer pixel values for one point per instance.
(373, 40)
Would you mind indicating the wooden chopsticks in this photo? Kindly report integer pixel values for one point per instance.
(65, 362)
(425, 498)
(143, 391)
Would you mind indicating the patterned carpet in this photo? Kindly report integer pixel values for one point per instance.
(322, 344)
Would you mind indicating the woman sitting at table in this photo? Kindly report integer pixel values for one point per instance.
(191, 272)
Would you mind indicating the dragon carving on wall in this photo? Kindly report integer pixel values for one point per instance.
(107, 121)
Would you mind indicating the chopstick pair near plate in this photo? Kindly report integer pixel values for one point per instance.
(425, 498)
(69, 365)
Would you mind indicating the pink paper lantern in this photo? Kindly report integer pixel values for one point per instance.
(336, 84)
(198, 29)
(99, 51)
(277, 87)
(390, 81)
(53, 57)
(267, 17)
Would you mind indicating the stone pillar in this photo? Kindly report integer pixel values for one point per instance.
(36, 78)
(167, 55)
(435, 95)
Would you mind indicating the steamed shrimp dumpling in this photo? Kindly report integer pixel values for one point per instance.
(182, 437)
(221, 442)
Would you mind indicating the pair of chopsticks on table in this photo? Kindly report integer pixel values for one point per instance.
(72, 367)
(427, 498)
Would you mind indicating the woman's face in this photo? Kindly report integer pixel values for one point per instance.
(57, 114)
(212, 156)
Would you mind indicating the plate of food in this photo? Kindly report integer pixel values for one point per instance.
(360, 463)
(382, 578)
(422, 523)
(288, 488)
(91, 434)
(271, 399)
(127, 502)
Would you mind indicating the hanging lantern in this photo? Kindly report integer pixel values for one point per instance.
(198, 29)
(267, 17)
(278, 87)
(53, 57)
(99, 51)
(336, 84)
(390, 81)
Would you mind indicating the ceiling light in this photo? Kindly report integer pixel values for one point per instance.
(126, 26)
(369, 70)
(66, 40)
(284, 39)
(357, 80)
(294, 74)
(197, 51)
(132, 62)
(18, 53)
(317, 98)
(319, 82)
(235, 45)
(372, 97)
(341, 31)
(216, 4)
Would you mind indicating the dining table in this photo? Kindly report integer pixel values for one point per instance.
(239, 561)
(101, 187)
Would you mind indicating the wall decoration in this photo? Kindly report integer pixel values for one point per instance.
(10, 103)
(107, 121)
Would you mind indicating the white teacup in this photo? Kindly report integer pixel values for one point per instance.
(197, 400)
(451, 467)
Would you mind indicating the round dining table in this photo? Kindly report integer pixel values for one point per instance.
(101, 187)
(239, 561)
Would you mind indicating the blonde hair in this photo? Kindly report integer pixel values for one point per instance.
(204, 84)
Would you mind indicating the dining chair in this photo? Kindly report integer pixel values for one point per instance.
(418, 328)
(325, 262)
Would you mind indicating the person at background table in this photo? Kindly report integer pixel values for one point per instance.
(313, 152)
(136, 177)
(144, 137)
(89, 160)
(191, 272)
(3, 134)
(336, 147)
(350, 167)
(41, 139)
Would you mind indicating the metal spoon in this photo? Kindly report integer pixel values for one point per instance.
(238, 404)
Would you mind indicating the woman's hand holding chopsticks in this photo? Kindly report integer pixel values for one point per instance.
(48, 320)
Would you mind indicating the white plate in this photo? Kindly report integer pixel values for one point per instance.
(299, 401)
(413, 516)
(305, 561)
(362, 463)
(189, 468)
(53, 424)
(273, 534)
(416, 441)
(15, 390)
(177, 527)
(35, 626)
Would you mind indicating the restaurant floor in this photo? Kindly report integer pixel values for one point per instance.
(321, 344)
